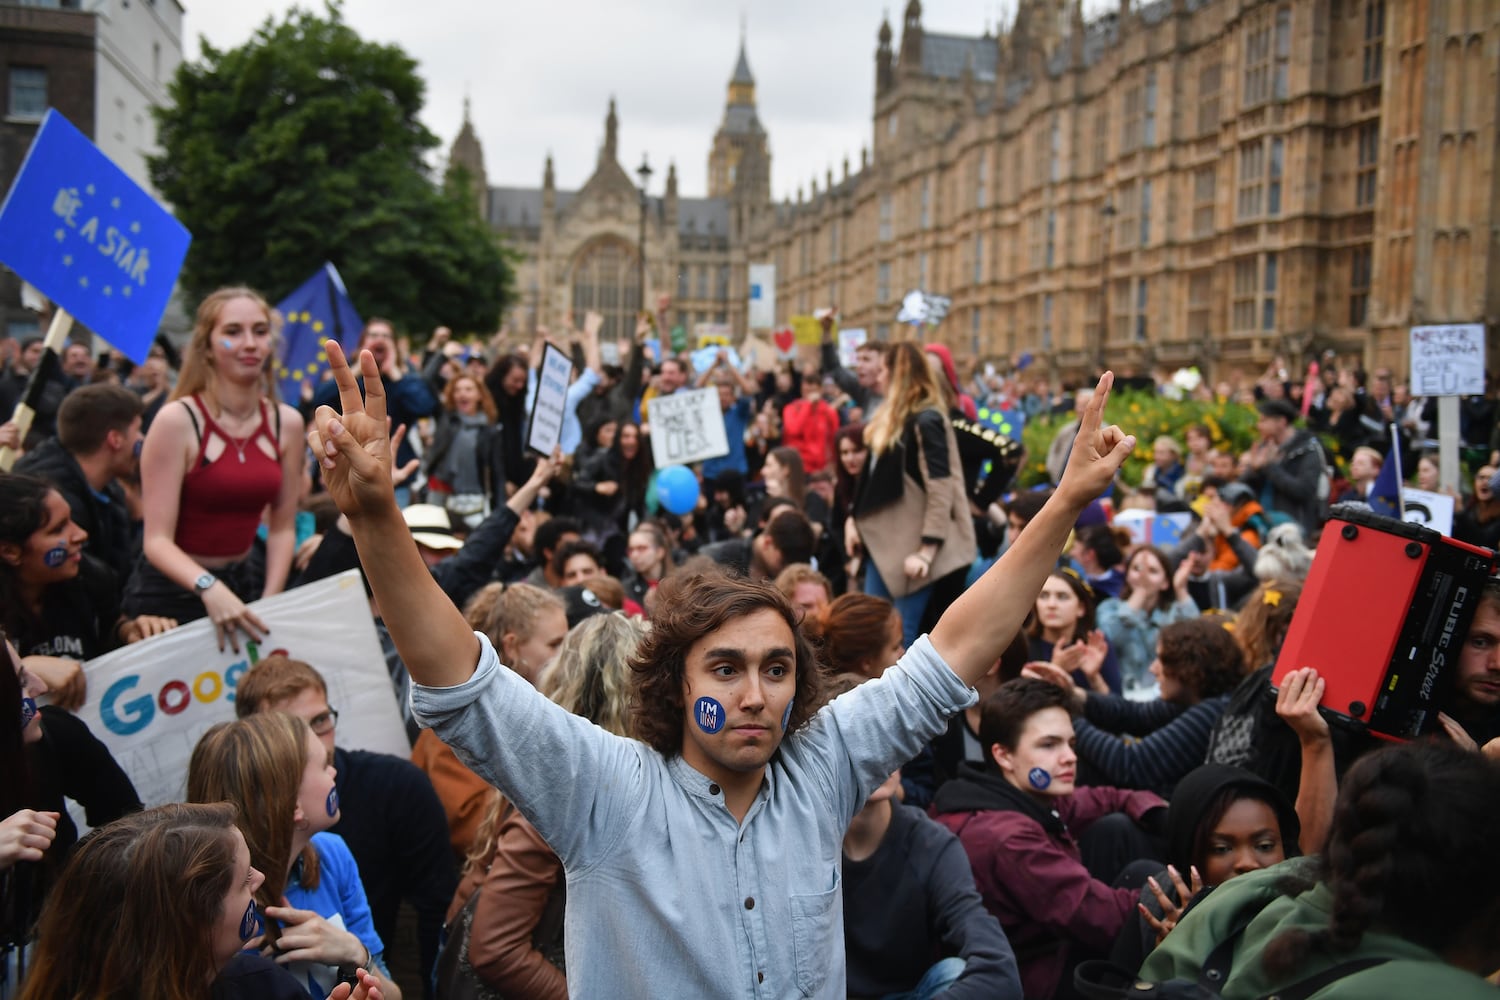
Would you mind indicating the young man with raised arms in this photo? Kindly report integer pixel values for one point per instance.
(703, 858)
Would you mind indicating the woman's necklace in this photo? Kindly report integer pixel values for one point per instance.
(239, 443)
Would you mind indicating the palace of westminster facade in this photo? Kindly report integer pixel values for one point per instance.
(1209, 182)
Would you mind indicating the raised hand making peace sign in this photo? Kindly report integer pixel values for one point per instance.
(355, 447)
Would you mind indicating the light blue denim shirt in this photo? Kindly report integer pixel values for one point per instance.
(668, 896)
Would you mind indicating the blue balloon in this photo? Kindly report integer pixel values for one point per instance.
(677, 489)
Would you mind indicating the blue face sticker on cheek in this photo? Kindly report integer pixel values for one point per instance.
(709, 715)
(332, 805)
(227, 344)
(55, 557)
(250, 924)
(1039, 779)
(139, 444)
(786, 715)
(28, 710)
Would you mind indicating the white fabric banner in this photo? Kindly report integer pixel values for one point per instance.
(151, 701)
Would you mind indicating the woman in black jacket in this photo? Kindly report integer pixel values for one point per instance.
(465, 465)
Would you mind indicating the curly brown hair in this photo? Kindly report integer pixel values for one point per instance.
(1202, 656)
(687, 609)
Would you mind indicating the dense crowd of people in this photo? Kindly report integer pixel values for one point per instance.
(866, 716)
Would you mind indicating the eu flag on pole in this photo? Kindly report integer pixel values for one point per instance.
(1385, 492)
(316, 312)
(76, 227)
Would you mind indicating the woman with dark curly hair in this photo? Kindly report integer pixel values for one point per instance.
(1403, 901)
(1197, 665)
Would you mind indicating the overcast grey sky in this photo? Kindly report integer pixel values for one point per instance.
(540, 75)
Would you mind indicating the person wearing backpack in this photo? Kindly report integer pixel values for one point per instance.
(1404, 902)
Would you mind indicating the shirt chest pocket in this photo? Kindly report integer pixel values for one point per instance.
(817, 938)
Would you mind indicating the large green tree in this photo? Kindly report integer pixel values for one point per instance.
(303, 145)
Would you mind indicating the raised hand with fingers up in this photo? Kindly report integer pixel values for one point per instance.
(354, 447)
(1098, 451)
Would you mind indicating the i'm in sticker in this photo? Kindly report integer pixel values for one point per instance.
(1039, 779)
(709, 715)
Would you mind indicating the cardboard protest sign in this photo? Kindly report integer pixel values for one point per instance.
(1431, 510)
(75, 226)
(1447, 360)
(151, 701)
(712, 334)
(762, 307)
(757, 354)
(686, 427)
(849, 341)
(551, 400)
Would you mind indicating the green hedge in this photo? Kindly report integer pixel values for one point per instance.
(1147, 416)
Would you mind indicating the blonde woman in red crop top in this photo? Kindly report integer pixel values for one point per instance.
(220, 457)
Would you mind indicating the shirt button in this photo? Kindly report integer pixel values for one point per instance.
(760, 977)
(713, 789)
(749, 902)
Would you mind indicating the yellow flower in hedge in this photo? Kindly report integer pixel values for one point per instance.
(1135, 407)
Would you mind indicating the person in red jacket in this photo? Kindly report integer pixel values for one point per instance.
(1018, 815)
(809, 424)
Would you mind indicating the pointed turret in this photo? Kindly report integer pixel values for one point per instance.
(884, 60)
(739, 162)
(609, 152)
(466, 157)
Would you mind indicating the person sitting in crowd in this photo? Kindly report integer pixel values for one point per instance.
(279, 777)
(805, 588)
(160, 904)
(514, 880)
(1021, 819)
(98, 443)
(787, 538)
(389, 816)
(649, 555)
(55, 601)
(527, 625)
(1229, 512)
(1166, 469)
(1478, 523)
(1061, 631)
(1287, 467)
(1197, 665)
(549, 539)
(909, 898)
(1154, 595)
(1223, 822)
(858, 634)
(1099, 553)
(1364, 468)
(465, 463)
(209, 468)
(1401, 903)
(577, 562)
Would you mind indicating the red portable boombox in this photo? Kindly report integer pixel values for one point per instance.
(1382, 616)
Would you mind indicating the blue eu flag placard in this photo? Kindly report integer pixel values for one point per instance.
(75, 226)
(320, 310)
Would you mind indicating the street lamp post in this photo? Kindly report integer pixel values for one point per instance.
(644, 173)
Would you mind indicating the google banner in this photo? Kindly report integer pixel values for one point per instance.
(150, 702)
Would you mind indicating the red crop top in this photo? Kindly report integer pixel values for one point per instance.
(222, 501)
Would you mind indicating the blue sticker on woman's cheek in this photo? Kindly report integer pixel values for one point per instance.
(1039, 779)
(786, 715)
(709, 715)
(251, 925)
(228, 345)
(136, 449)
(55, 557)
(28, 710)
(332, 805)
